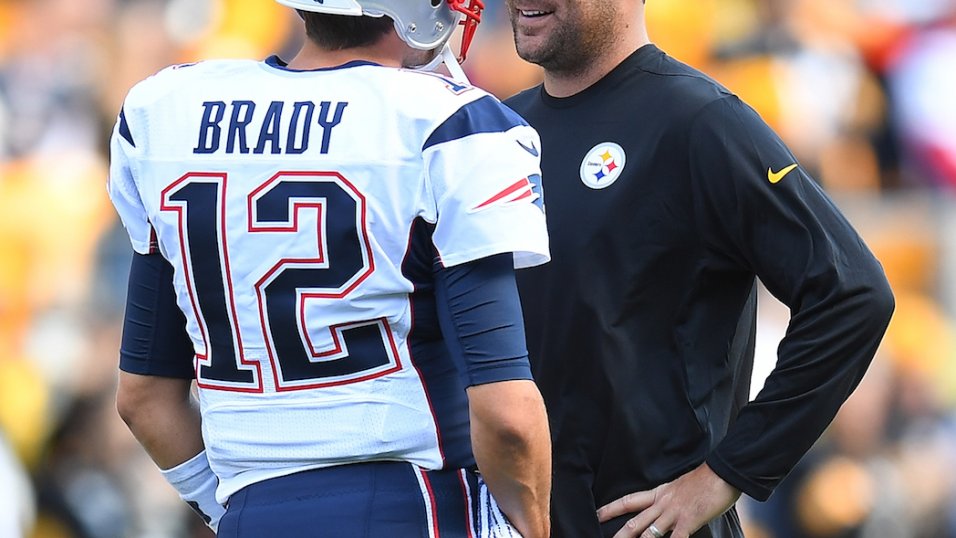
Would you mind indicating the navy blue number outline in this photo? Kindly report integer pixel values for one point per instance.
(371, 336)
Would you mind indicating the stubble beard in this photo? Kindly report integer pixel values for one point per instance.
(572, 47)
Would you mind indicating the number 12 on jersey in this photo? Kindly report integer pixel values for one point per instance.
(360, 350)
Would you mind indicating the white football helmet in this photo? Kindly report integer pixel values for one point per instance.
(423, 24)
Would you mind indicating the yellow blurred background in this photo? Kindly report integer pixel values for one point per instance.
(864, 91)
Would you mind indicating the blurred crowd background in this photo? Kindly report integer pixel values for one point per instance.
(864, 91)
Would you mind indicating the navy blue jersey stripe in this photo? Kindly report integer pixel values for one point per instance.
(124, 128)
(446, 394)
(486, 115)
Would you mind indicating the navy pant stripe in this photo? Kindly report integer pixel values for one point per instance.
(450, 504)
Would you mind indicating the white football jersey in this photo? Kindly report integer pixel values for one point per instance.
(289, 204)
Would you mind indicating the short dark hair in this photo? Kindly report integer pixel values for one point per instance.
(337, 32)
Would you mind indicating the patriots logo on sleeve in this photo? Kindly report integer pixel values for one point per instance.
(526, 189)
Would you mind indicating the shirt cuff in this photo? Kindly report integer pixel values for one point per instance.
(730, 475)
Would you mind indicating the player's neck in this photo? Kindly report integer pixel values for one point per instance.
(568, 83)
(311, 56)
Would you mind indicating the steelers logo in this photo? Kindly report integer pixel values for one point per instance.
(603, 165)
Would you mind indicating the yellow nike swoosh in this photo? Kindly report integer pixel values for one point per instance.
(775, 177)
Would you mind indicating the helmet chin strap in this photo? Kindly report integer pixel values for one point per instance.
(447, 57)
(451, 62)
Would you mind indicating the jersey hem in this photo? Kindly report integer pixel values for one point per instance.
(523, 257)
(230, 486)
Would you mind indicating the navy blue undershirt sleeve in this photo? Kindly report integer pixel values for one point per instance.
(480, 317)
(154, 340)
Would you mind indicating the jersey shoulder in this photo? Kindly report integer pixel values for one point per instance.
(436, 94)
(445, 105)
(433, 93)
(435, 86)
(177, 77)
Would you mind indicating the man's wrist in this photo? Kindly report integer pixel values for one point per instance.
(196, 484)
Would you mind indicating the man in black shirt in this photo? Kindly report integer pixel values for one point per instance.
(667, 197)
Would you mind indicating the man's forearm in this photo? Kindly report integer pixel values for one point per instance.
(163, 416)
(513, 449)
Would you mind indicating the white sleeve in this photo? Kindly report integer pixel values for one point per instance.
(123, 190)
(483, 167)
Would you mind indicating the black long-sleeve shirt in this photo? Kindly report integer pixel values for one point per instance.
(666, 197)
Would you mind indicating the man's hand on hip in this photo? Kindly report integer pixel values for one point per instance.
(679, 507)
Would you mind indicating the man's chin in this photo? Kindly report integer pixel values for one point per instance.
(534, 55)
(532, 48)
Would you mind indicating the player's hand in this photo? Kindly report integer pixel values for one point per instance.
(679, 507)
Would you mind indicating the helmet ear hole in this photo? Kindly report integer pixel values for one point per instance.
(436, 3)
